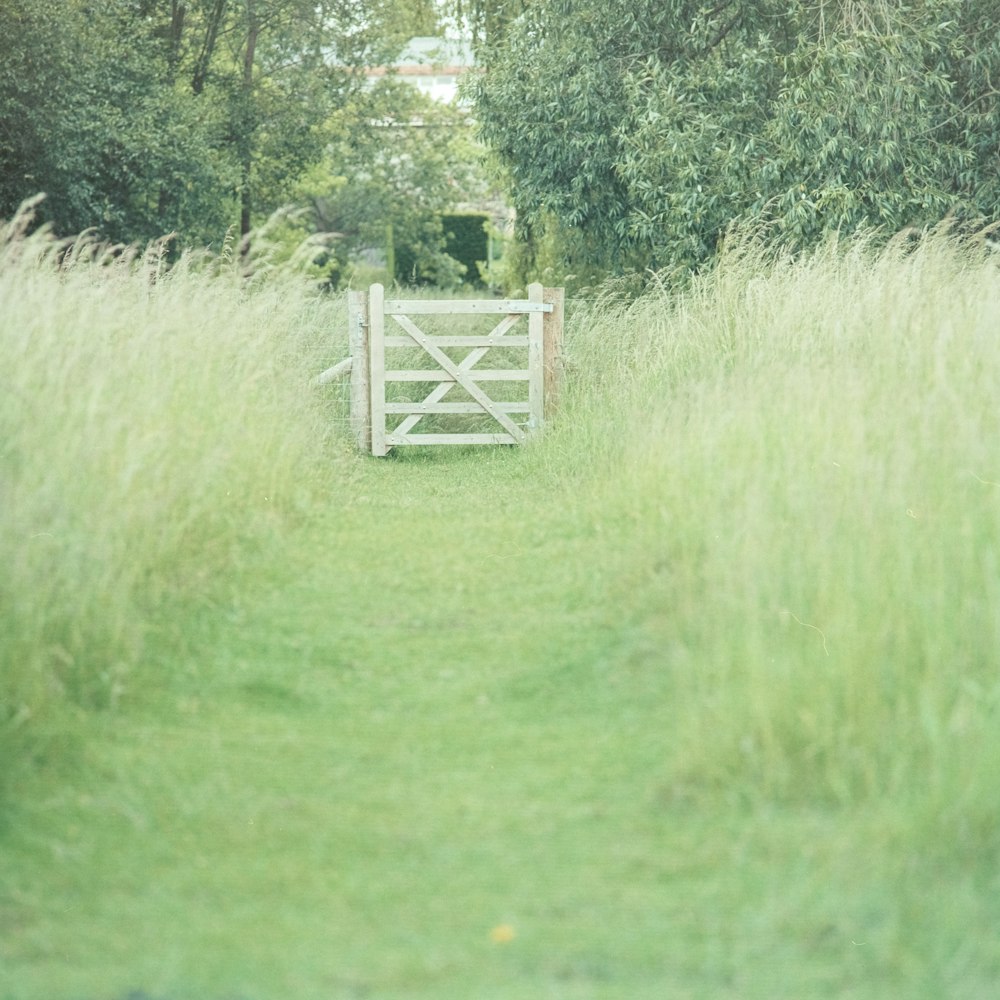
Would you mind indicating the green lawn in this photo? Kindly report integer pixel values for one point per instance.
(628, 713)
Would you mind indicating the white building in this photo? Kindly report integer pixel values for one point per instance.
(433, 65)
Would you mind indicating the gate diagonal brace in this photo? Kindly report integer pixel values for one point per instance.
(459, 372)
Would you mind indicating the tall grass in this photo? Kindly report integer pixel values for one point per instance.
(804, 457)
(154, 425)
(792, 464)
(698, 692)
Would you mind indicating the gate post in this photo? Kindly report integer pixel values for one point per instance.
(376, 370)
(357, 335)
(552, 341)
(536, 360)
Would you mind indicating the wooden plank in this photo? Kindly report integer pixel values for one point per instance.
(376, 353)
(423, 407)
(393, 438)
(438, 375)
(461, 307)
(536, 367)
(487, 340)
(552, 336)
(332, 374)
(461, 377)
(357, 338)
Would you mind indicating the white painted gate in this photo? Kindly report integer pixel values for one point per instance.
(385, 337)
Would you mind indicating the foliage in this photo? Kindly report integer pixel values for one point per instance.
(139, 118)
(647, 129)
(85, 116)
(467, 240)
(396, 161)
(483, 20)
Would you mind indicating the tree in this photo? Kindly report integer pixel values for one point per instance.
(483, 20)
(644, 129)
(84, 117)
(395, 162)
(138, 117)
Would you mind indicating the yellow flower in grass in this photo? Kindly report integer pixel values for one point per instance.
(502, 934)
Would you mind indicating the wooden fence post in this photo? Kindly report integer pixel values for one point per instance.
(357, 335)
(536, 356)
(376, 370)
(552, 339)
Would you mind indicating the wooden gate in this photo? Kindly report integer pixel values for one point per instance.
(383, 331)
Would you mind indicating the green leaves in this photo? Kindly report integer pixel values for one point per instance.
(647, 129)
(395, 160)
(142, 118)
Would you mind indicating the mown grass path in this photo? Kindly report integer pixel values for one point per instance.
(426, 755)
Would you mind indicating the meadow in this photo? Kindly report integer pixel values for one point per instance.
(694, 696)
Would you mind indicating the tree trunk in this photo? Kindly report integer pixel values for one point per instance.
(178, 11)
(165, 199)
(245, 140)
(208, 46)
